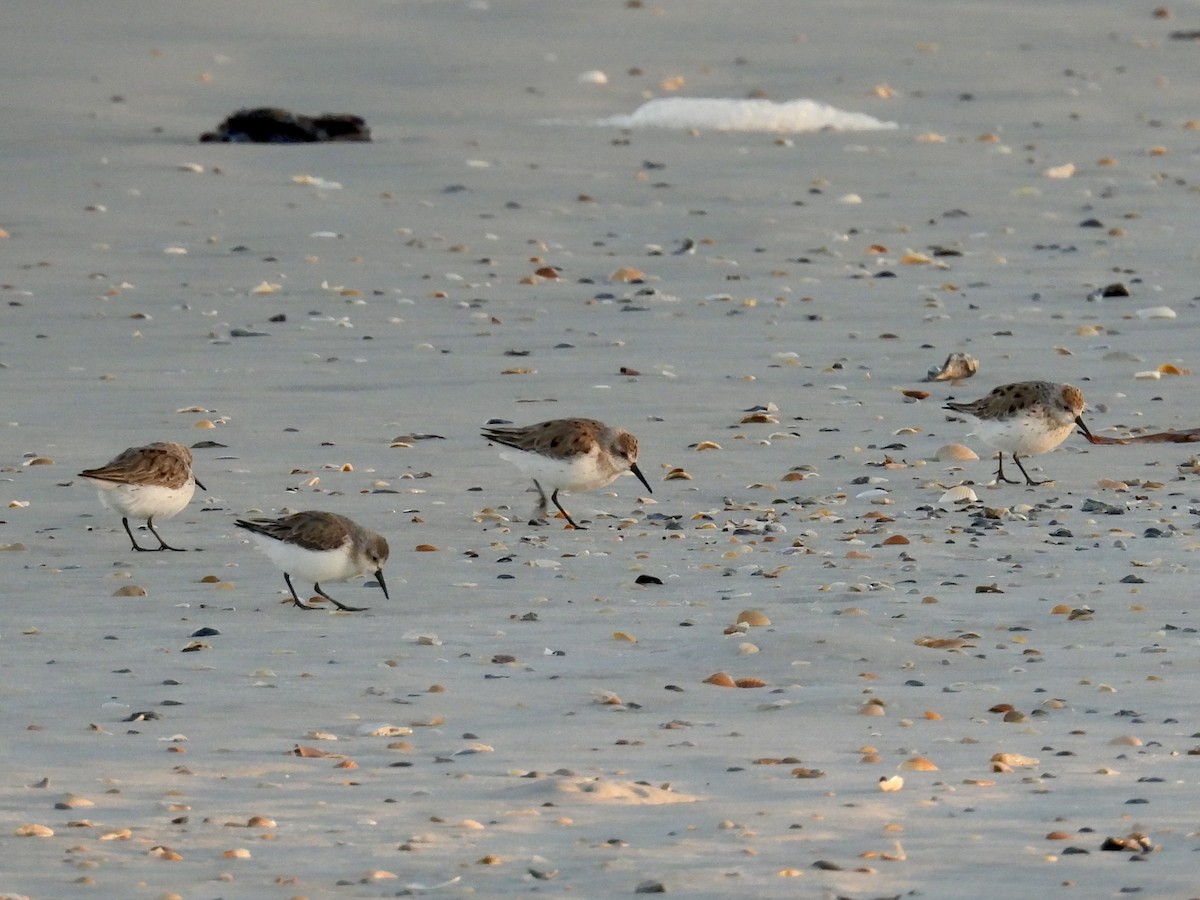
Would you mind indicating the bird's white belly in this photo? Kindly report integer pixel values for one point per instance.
(308, 565)
(144, 501)
(1023, 435)
(580, 473)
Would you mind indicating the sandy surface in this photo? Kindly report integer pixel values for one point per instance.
(524, 717)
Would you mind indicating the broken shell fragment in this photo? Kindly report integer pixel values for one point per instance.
(955, 453)
(753, 618)
(957, 365)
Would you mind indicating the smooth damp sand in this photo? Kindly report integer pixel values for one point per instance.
(534, 711)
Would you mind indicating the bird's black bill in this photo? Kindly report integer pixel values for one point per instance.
(1083, 428)
(199, 485)
(642, 478)
(382, 583)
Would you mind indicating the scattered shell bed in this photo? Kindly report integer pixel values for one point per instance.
(827, 655)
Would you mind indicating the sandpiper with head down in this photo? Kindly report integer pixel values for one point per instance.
(320, 546)
(150, 482)
(568, 455)
(1024, 419)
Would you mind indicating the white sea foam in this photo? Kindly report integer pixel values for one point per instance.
(791, 117)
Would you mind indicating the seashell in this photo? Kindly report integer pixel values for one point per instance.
(238, 853)
(940, 643)
(750, 682)
(260, 822)
(871, 709)
(1156, 312)
(1165, 368)
(34, 831)
(626, 275)
(955, 453)
(130, 590)
(897, 539)
(960, 494)
(915, 394)
(1126, 740)
(310, 752)
(1064, 171)
(1014, 759)
(519, 370)
(753, 618)
(622, 636)
(918, 764)
(70, 801)
(677, 474)
(890, 785)
(957, 365)
(805, 772)
(720, 679)
(426, 548)
(707, 445)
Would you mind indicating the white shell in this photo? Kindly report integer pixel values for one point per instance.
(959, 494)
(955, 453)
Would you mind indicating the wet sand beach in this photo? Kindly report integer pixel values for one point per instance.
(826, 657)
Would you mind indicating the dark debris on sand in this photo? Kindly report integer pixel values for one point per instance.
(267, 125)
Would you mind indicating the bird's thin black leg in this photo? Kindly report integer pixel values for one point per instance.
(1000, 469)
(554, 497)
(338, 603)
(1028, 480)
(540, 511)
(163, 545)
(136, 545)
(295, 596)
